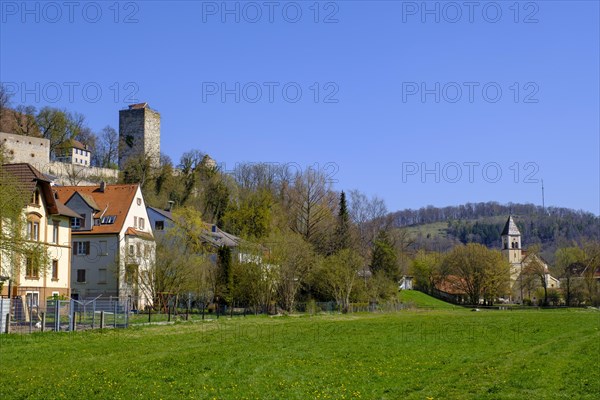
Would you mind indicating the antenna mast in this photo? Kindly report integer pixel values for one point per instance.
(543, 202)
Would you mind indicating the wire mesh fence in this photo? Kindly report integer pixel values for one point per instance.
(23, 315)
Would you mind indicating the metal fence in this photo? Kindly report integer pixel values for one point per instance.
(23, 315)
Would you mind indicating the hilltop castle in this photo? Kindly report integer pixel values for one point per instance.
(139, 133)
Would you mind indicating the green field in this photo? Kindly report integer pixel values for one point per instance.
(420, 354)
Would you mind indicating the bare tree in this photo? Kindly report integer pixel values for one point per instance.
(312, 205)
(369, 216)
(106, 154)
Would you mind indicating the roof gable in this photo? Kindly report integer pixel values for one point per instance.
(114, 200)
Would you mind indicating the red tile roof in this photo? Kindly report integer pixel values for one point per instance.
(29, 178)
(115, 200)
(134, 232)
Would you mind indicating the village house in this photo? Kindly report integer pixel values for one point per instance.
(73, 152)
(35, 279)
(112, 242)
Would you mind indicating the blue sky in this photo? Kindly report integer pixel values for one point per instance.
(419, 103)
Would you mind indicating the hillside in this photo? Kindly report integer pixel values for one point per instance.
(439, 229)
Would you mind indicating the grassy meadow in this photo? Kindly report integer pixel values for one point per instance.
(435, 354)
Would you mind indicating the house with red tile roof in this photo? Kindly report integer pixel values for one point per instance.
(47, 225)
(112, 242)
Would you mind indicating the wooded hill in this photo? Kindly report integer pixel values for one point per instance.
(436, 228)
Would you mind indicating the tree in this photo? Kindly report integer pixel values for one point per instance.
(225, 275)
(480, 272)
(250, 216)
(311, 205)
(343, 224)
(369, 216)
(181, 265)
(106, 154)
(384, 259)
(569, 261)
(591, 261)
(24, 121)
(295, 260)
(59, 126)
(338, 273)
(137, 169)
(536, 268)
(428, 270)
(255, 280)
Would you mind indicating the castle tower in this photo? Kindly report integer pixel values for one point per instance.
(511, 242)
(139, 133)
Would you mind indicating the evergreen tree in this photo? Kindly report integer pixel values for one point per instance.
(343, 225)
(384, 257)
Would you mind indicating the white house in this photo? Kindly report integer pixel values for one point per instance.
(47, 223)
(112, 240)
(73, 152)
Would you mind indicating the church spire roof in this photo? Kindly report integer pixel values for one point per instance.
(510, 228)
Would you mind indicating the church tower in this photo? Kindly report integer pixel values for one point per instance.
(511, 242)
(139, 134)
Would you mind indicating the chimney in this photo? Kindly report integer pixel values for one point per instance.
(102, 186)
(170, 206)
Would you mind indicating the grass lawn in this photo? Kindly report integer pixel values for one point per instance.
(440, 354)
(420, 299)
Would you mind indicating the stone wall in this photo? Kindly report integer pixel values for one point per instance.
(74, 175)
(26, 149)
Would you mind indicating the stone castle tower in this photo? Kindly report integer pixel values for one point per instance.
(511, 242)
(139, 133)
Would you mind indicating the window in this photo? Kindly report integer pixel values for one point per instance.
(81, 275)
(32, 270)
(36, 197)
(81, 248)
(109, 219)
(146, 250)
(131, 250)
(141, 223)
(159, 225)
(139, 201)
(75, 223)
(32, 299)
(54, 270)
(33, 230)
(102, 275)
(138, 248)
(135, 224)
(103, 248)
(55, 226)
